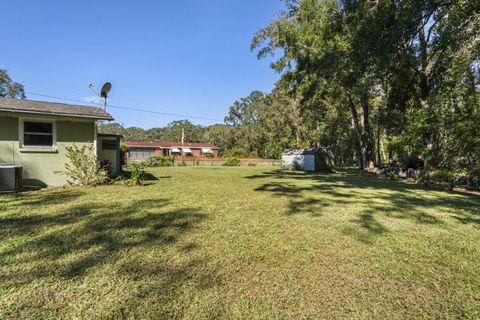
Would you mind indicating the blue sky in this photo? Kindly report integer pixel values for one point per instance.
(187, 57)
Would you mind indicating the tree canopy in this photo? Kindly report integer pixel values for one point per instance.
(9, 88)
(405, 74)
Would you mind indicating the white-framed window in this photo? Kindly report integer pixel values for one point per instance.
(38, 134)
(140, 153)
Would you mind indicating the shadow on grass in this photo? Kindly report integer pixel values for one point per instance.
(148, 176)
(72, 239)
(40, 198)
(312, 193)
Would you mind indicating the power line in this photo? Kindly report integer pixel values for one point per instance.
(121, 96)
(127, 108)
(116, 94)
(136, 88)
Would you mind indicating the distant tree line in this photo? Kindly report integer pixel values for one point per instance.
(374, 81)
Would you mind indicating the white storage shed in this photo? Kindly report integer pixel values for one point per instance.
(313, 159)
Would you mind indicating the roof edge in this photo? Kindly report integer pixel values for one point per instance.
(18, 110)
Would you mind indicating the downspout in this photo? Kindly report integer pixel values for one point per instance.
(95, 139)
(118, 168)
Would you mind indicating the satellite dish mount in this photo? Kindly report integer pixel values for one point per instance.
(107, 86)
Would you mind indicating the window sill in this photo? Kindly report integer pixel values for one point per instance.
(39, 150)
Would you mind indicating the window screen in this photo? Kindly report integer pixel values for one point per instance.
(37, 134)
(140, 154)
(109, 144)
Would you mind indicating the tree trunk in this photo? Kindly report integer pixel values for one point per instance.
(356, 126)
(424, 93)
(296, 120)
(379, 141)
(367, 131)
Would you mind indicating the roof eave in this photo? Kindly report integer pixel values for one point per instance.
(59, 114)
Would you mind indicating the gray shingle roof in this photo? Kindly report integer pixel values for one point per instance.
(301, 151)
(52, 108)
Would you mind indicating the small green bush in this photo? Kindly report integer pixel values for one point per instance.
(474, 178)
(84, 169)
(123, 151)
(159, 161)
(232, 162)
(391, 175)
(448, 176)
(106, 165)
(235, 152)
(137, 173)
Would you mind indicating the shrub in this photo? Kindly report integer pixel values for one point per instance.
(84, 169)
(392, 175)
(235, 152)
(448, 176)
(232, 162)
(123, 147)
(123, 151)
(137, 172)
(106, 165)
(159, 161)
(474, 178)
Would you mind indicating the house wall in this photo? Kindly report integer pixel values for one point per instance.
(304, 162)
(196, 152)
(43, 168)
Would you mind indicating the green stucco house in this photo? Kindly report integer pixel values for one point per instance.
(34, 134)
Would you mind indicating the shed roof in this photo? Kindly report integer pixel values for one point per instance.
(307, 151)
(52, 108)
(110, 135)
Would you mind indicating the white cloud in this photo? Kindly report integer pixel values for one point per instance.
(93, 99)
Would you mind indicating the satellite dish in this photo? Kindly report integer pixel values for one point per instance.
(105, 89)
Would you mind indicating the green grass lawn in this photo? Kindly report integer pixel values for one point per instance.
(204, 243)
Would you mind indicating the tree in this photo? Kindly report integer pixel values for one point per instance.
(391, 63)
(111, 128)
(9, 88)
(320, 44)
(245, 110)
(219, 135)
(443, 38)
(135, 133)
(191, 132)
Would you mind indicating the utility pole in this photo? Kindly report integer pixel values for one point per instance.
(183, 135)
